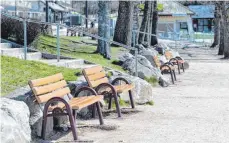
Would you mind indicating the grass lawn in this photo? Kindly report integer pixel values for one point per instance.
(71, 47)
(16, 73)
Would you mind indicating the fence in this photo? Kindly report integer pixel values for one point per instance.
(76, 29)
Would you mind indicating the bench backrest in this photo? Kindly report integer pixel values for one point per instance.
(95, 76)
(157, 61)
(49, 87)
(168, 55)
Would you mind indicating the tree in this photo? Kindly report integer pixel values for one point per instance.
(145, 20)
(217, 25)
(123, 28)
(135, 21)
(226, 41)
(154, 40)
(103, 29)
(222, 27)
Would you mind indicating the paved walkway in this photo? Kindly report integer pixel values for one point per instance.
(195, 109)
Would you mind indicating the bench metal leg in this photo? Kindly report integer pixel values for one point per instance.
(183, 66)
(110, 102)
(131, 99)
(178, 66)
(117, 105)
(174, 74)
(93, 110)
(171, 73)
(73, 124)
(44, 122)
(99, 113)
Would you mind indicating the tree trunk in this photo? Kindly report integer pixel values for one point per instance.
(154, 40)
(135, 23)
(217, 25)
(222, 28)
(123, 28)
(103, 29)
(226, 41)
(144, 21)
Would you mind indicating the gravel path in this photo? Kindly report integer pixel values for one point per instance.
(195, 109)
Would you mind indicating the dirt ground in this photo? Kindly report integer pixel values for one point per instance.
(195, 109)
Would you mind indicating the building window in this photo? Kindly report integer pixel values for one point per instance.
(203, 25)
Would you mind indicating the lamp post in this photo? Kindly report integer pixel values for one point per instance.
(86, 12)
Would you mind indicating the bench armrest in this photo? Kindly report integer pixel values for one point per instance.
(106, 85)
(120, 79)
(85, 88)
(174, 60)
(53, 101)
(179, 58)
(167, 63)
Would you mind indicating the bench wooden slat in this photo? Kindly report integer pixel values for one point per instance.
(46, 80)
(87, 102)
(58, 93)
(48, 88)
(123, 87)
(79, 102)
(168, 55)
(157, 61)
(96, 76)
(92, 70)
(98, 82)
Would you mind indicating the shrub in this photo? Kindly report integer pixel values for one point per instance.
(14, 30)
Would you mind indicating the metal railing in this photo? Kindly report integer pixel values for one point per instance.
(76, 29)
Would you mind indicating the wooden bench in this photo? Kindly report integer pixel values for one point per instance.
(176, 61)
(96, 78)
(53, 91)
(166, 67)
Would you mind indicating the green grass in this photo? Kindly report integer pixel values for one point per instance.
(152, 80)
(70, 47)
(16, 73)
(151, 103)
(203, 36)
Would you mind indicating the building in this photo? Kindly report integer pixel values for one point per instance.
(203, 17)
(174, 19)
(34, 9)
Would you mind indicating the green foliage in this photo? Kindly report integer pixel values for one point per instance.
(141, 6)
(150, 103)
(71, 47)
(152, 80)
(16, 73)
(109, 74)
(160, 7)
(122, 103)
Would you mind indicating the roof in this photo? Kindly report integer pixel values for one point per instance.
(202, 11)
(54, 6)
(174, 8)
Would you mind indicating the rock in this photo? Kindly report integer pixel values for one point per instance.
(36, 115)
(186, 65)
(149, 55)
(14, 121)
(142, 92)
(36, 111)
(125, 56)
(145, 69)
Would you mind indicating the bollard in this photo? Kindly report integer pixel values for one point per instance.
(25, 40)
(58, 41)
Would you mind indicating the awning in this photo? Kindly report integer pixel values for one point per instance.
(56, 7)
